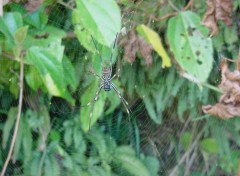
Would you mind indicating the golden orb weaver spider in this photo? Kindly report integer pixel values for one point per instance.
(106, 82)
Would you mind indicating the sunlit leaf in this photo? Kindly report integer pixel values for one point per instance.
(192, 49)
(101, 18)
(47, 61)
(153, 39)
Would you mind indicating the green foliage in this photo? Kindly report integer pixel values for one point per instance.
(55, 43)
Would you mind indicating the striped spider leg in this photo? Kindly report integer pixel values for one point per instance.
(106, 82)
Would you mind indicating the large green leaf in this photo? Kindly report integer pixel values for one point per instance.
(47, 62)
(192, 49)
(101, 18)
(153, 39)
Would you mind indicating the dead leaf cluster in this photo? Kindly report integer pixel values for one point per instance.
(229, 103)
(218, 10)
(133, 43)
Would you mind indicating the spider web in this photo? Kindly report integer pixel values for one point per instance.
(138, 131)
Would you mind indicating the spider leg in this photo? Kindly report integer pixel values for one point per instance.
(95, 45)
(95, 74)
(94, 101)
(116, 74)
(125, 103)
(113, 48)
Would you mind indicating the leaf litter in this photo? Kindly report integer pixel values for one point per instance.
(218, 10)
(134, 43)
(229, 103)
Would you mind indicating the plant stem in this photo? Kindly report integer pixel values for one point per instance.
(212, 87)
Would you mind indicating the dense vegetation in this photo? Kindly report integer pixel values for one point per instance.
(169, 55)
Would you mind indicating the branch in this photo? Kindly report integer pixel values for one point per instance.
(187, 153)
(189, 4)
(18, 117)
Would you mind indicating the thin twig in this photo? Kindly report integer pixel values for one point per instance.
(174, 13)
(190, 163)
(187, 153)
(173, 6)
(66, 5)
(189, 4)
(70, 35)
(8, 56)
(18, 117)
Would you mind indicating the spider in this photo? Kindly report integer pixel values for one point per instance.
(106, 82)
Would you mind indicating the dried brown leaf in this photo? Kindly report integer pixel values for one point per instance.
(209, 19)
(132, 44)
(224, 10)
(223, 111)
(229, 103)
(145, 50)
(217, 10)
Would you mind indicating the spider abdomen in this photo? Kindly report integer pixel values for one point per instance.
(107, 86)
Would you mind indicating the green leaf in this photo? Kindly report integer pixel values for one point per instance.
(47, 62)
(153, 39)
(19, 138)
(68, 136)
(185, 140)
(37, 18)
(101, 18)
(20, 35)
(192, 50)
(33, 78)
(99, 142)
(69, 73)
(9, 24)
(42, 37)
(55, 135)
(27, 141)
(131, 163)
(151, 109)
(87, 97)
(12, 115)
(82, 34)
(209, 145)
(152, 164)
